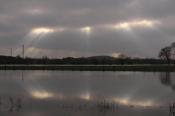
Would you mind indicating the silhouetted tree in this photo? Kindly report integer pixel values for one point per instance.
(165, 54)
(173, 50)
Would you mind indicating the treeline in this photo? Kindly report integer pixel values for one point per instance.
(95, 60)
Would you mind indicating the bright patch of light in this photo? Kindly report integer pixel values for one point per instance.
(86, 30)
(85, 96)
(144, 23)
(128, 102)
(32, 51)
(41, 94)
(124, 26)
(42, 30)
(116, 55)
(141, 23)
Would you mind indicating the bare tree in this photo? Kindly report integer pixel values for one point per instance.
(165, 54)
(173, 50)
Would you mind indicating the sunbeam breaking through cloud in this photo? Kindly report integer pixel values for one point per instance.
(122, 26)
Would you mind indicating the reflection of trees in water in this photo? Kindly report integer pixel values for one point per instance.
(167, 79)
(10, 104)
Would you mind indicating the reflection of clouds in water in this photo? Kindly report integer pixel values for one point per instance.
(142, 89)
(85, 96)
(36, 89)
(41, 94)
(95, 85)
(129, 102)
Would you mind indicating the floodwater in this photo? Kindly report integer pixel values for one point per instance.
(66, 93)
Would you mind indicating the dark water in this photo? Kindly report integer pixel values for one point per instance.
(49, 93)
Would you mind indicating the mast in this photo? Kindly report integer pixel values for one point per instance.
(23, 51)
(11, 52)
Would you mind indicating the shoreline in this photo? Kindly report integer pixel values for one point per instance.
(142, 68)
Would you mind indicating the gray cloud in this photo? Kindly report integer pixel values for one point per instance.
(19, 17)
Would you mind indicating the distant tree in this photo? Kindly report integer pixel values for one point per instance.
(18, 56)
(173, 50)
(165, 54)
(45, 57)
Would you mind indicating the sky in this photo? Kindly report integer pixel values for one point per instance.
(77, 28)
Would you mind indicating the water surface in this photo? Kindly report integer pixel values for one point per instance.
(67, 93)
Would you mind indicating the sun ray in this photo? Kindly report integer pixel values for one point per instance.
(42, 30)
(128, 26)
(86, 30)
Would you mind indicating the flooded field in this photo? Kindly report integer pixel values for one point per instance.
(68, 93)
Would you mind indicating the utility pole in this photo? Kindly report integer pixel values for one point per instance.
(11, 52)
(23, 51)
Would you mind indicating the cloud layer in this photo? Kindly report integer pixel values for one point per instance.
(60, 28)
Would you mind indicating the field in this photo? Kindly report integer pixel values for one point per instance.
(146, 68)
